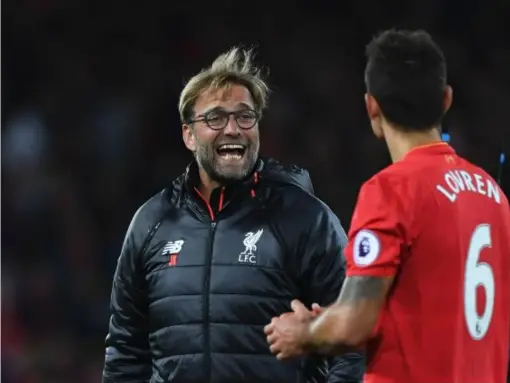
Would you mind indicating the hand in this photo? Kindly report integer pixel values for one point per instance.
(304, 313)
(317, 310)
(287, 335)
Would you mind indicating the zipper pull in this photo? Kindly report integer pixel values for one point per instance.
(213, 225)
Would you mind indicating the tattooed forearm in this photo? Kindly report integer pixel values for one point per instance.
(358, 288)
(348, 323)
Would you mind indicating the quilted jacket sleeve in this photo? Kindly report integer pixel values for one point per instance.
(127, 349)
(323, 273)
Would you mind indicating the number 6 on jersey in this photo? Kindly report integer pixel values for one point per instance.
(478, 274)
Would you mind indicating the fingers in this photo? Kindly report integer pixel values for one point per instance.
(276, 349)
(317, 309)
(275, 331)
(275, 346)
(272, 338)
(281, 356)
(299, 309)
(297, 306)
(269, 329)
(274, 343)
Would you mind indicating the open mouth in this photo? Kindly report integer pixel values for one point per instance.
(231, 152)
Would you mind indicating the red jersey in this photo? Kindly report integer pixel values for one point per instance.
(441, 227)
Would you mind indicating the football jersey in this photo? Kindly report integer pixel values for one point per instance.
(441, 227)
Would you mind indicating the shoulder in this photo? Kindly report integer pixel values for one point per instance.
(144, 219)
(149, 213)
(299, 200)
(291, 191)
(304, 214)
(396, 180)
(396, 172)
(276, 173)
(386, 194)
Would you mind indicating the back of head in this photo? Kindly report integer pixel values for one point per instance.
(406, 74)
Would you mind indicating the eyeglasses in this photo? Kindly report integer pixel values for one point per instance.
(218, 119)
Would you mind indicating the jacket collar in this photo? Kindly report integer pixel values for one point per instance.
(191, 178)
(185, 191)
(268, 173)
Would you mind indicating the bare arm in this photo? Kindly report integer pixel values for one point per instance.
(348, 323)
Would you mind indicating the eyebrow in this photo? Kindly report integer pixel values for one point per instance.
(239, 107)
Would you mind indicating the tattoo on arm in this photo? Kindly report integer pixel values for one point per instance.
(358, 288)
(345, 325)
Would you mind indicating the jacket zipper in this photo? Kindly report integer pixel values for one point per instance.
(207, 282)
(207, 287)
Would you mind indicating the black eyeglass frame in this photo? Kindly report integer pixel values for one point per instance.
(237, 114)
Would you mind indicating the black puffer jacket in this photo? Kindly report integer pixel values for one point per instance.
(196, 282)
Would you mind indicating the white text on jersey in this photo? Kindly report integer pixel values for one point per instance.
(458, 181)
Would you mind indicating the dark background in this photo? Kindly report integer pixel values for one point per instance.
(90, 130)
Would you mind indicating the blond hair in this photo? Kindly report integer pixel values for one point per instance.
(233, 67)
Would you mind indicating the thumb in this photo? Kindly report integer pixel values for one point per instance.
(298, 307)
(317, 309)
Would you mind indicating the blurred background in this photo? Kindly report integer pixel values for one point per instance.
(90, 130)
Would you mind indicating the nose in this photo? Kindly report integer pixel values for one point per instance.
(232, 129)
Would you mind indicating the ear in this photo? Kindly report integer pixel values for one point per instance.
(447, 98)
(372, 106)
(188, 136)
(374, 114)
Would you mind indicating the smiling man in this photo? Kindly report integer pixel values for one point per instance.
(210, 260)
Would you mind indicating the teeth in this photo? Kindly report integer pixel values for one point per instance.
(231, 156)
(231, 146)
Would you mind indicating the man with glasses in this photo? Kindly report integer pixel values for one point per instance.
(210, 260)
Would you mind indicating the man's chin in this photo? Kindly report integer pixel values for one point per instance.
(231, 171)
(230, 175)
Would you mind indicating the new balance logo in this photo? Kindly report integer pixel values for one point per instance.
(172, 249)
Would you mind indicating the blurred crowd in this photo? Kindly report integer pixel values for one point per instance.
(90, 130)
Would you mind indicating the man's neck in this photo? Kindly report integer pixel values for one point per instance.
(206, 185)
(400, 143)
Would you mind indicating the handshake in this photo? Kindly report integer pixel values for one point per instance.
(289, 334)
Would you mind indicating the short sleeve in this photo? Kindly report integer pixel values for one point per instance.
(377, 232)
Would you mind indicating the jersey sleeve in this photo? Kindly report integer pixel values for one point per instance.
(377, 232)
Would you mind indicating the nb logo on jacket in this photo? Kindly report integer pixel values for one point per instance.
(250, 244)
(172, 249)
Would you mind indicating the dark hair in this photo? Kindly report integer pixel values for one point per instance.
(406, 74)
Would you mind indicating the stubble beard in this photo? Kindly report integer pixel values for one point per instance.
(209, 160)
